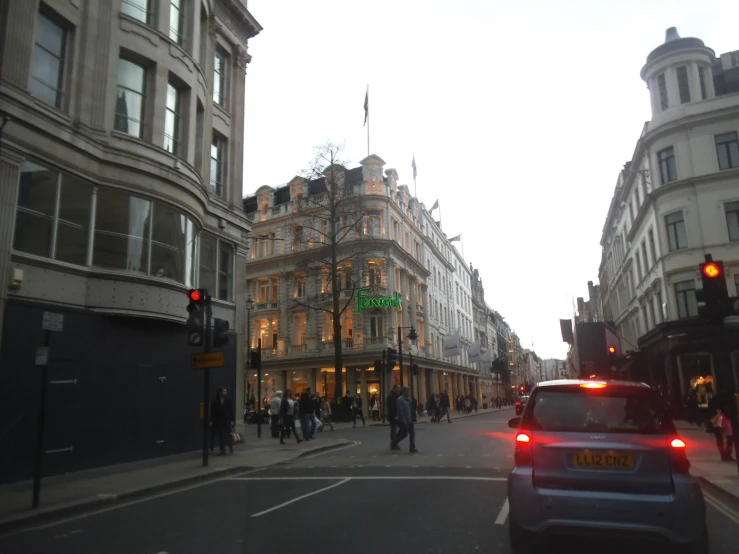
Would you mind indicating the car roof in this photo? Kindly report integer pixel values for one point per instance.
(578, 382)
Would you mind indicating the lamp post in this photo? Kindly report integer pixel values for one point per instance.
(249, 306)
(413, 336)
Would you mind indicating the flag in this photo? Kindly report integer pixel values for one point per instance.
(458, 237)
(452, 345)
(436, 205)
(473, 353)
(487, 357)
(366, 106)
(413, 165)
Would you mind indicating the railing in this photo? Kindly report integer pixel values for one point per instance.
(298, 348)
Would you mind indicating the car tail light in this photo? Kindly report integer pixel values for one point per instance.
(680, 462)
(518, 403)
(523, 449)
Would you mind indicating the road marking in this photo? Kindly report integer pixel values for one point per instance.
(414, 466)
(487, 455)
(468, 467)
(351, 445)
(64, 535)
(439, 455)
(273, 508)
(374, 478)
(503, 515)
(721, 507)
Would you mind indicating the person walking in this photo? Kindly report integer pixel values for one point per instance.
(392, 408)
(306, 410)
(375, 408)
(357, 409)
(222, 420)
(274, 414)
(287, 414)
(405, 419)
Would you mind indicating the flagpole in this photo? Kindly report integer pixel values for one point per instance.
(415, 188)
(368, 123)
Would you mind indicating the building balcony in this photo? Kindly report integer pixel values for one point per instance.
(265, 306)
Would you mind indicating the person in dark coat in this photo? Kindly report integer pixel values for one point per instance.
(222, 419)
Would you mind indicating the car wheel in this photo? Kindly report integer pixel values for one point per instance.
(696, 547)
(522, 541)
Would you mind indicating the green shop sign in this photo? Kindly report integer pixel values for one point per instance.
(365, 301)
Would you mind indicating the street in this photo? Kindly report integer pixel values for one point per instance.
(450, 497)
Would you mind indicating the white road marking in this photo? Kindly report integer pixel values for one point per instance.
(375, 456)
(375, 478)
(65, 535)
(468, 467)
(352, 456)
(439, 455)
(460, 455)
(503, 515)
(273, 508)
(351, 445)
(414, 466)
(721, 507)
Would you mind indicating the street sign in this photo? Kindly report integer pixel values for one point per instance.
(42, 355)
(209, 359)
(53, 322)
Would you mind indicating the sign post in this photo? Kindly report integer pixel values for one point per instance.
(206, 376)
(52, 322)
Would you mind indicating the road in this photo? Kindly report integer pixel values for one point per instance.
(365, 499)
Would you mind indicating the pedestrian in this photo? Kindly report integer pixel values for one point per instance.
(357, 409)
(274, 414)
(326, 413)
(725, 436)
(375, 408)
(287, 414)
(445, 406)
(392, 403)
(405, 420)
(305, 409)
(222, 420)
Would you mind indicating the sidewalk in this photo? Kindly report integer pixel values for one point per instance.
(704, 459)
(73, 493)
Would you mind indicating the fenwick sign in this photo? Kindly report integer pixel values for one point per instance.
(365, 301)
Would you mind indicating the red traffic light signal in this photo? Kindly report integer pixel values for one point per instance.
(611, 349)
(521, 387)
(195, 295)
(711, 270)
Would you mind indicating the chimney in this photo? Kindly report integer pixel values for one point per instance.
(671, 34)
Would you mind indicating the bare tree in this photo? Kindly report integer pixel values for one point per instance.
(330, 223)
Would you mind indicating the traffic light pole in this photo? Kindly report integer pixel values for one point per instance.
(206, 380)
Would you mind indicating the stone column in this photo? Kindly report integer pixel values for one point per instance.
(284, 327)
(423, 394)
(240, 315)
(9, 173)
(405, 321)
(236, 141)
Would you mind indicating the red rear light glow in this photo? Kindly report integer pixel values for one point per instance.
(523, 437)
(677, 443)
(593, 385)
(680, 462)
(522, 456)
(518, 403)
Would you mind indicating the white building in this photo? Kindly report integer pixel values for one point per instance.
(675, 201)
(394, 257)
(462, 277)
(120, 189)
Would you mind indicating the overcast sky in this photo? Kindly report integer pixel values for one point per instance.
(520, 115)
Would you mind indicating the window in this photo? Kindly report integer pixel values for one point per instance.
(47, 78)
(297, 237)
(638, 267)
(53, 215)
(176, 21)
(727, 149)
(644, 257)
(138, 9)
(129, 105)
(732, 219)
(217, 148)
(667, 166)
(662, 92)
(676, 231)
(702, 80)
(216, 267)
(682, 84)
(172, 120)
(299, 287)
(652, 248)
(171, 236)
(687, 305)
(219, 78)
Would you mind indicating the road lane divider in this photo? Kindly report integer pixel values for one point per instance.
(503, 515)
(375, 478)
(721, 507)
(273, 508)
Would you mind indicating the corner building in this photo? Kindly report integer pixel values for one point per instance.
(120, 189)
(297, 342)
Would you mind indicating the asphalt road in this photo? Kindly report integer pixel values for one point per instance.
(365, 499)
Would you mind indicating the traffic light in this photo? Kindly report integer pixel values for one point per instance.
(713, 299)
(416, 369)
(392, 358)
(521, 387)
(256, 359)
(196, 319)
(220, 332)
(378, 365)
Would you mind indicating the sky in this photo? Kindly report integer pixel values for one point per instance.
(520, 116)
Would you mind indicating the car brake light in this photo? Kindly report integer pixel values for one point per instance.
(518, 403)
(593, 385)
(680, 462)
(523, 449)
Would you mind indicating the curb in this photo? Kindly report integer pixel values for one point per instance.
(21, 523)
(716, 490)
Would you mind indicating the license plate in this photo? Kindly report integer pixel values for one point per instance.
(603, 460)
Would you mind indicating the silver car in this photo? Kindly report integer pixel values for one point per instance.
(602, 458)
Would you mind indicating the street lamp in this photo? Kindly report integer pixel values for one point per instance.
(249, 306)
(413, 336)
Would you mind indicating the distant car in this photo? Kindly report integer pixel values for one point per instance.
(521, 404)
(602, 458)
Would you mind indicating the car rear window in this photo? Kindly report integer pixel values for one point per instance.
(597, 410)
(523, 399)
